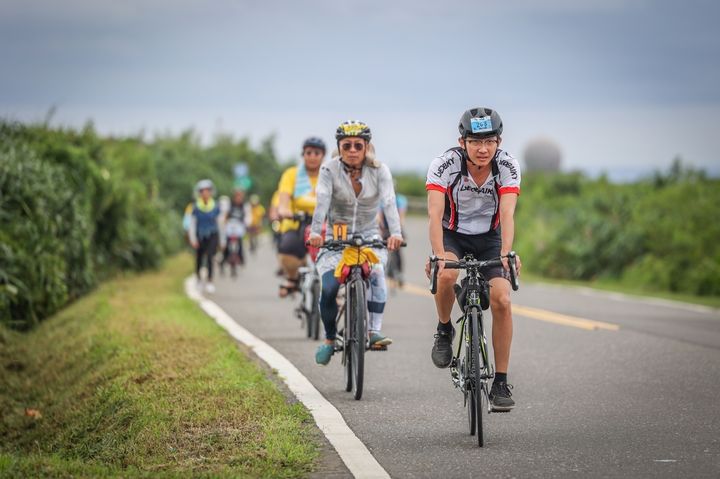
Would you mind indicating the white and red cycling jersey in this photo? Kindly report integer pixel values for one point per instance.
(470, 208)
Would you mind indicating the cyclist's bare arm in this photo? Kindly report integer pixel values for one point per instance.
(284, 209)
(192, 232)
(508, 202)
(323, 193)
(436, 209)
(390, 209)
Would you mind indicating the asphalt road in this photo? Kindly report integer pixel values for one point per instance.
(639, 401)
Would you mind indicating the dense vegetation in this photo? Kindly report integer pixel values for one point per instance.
(75, 207)
(660, 233)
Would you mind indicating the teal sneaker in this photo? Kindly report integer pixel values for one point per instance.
(377, 339)
(324, 353)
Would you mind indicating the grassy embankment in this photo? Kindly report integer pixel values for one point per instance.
(134, 380)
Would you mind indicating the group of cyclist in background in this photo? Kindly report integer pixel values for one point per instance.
(472, 192)
(213, 227)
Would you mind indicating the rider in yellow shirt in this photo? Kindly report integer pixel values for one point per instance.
(296, 195)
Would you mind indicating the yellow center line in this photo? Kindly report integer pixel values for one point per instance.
(564, 319)
(535, 313)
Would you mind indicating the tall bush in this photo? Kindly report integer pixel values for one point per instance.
(657, 233)
(76, 207)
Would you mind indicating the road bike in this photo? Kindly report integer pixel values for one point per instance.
(394, 269)
(352, 338)
(471, 368)
(308, 310)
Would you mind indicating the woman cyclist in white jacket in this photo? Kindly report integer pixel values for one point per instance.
(350, 189)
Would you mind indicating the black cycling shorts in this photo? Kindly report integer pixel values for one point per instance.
(482, 247)
(292, 243)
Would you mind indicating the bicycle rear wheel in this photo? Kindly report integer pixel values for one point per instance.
(347, 341)
(479, 397)
(307, 318)
(358, 319)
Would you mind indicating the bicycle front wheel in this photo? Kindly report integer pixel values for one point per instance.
(479, 398)
(307, 315)
(347, 342)
(314, 318)
(469, 388)
(358, 319)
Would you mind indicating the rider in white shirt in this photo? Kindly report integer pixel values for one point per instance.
(472, 193)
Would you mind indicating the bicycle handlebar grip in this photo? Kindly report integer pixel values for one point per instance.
(514, 282)
(433, 274)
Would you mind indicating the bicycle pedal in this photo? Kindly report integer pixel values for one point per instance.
(377, 347)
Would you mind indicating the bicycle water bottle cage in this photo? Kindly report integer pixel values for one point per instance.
(461, 294)
(485, 296)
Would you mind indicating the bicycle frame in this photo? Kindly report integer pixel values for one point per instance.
(475, 279)
(342, 319)
(475, 282)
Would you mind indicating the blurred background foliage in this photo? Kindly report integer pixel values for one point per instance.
(76, 207)
(660, 233)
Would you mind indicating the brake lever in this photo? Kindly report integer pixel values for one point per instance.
(514, 280)
(433, 274)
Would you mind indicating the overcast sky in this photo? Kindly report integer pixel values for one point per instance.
(622, 86)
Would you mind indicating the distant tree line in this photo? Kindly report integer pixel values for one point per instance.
(76, 207)
(660, 233)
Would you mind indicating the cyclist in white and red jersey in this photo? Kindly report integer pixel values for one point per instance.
(472, 193)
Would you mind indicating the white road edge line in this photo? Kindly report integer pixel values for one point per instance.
(352, 451)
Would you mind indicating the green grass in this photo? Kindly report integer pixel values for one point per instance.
(620, 287)
(135, 381)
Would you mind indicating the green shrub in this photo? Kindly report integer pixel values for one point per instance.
(658, 233)
(76, 207)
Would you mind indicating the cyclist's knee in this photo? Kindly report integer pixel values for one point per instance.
(448, 276)
(500, 304)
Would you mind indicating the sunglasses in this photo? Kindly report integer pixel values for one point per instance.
(357, 146)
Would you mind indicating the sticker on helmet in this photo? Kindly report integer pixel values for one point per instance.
(481, 124)
(353, 129)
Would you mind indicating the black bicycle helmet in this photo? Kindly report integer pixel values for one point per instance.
(314, 142)
(353, 128)
(480, 122)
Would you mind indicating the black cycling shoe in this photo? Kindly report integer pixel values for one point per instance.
(442, 349)
(500, 399)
